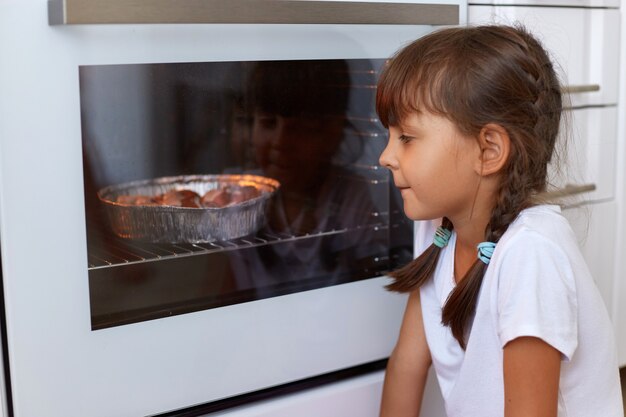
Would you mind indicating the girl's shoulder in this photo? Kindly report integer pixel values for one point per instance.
(541, 238)
(542, 222)
(532, 280)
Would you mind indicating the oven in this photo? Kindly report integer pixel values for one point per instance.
(192, 215)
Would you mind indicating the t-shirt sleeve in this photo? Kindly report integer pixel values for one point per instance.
(537, 294)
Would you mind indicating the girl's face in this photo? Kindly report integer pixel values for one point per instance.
(434, 166)
(296, 151)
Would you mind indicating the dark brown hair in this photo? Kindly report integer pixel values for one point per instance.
(475, 76)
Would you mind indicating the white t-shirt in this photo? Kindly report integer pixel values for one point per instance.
(537, 284)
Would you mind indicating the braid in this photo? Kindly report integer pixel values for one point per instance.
(461, 304)
(546, 108)
(415, 273)
(543, 104)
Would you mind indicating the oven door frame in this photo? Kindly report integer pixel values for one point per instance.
(57, 365)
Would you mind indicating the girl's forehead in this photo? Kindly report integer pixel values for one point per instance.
(414, 119)
(424, 121)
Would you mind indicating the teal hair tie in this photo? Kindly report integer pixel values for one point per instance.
(442, 235)
(485, 251)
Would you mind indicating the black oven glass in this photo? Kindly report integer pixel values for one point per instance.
(308, 125)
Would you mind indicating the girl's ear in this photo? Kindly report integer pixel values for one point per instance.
(495, 147)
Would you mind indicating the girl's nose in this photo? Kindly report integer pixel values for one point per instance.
(282, 133)
(386, 158)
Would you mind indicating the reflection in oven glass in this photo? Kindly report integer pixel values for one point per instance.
(309, 126)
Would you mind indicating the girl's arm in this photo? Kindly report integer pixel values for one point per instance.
(531, 378)
(408, 365)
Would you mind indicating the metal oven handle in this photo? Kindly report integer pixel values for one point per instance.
(67, 12)
(575, 89)
(568, 191)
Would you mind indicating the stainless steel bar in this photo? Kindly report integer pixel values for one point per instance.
(101, 258)
(96, 261)
(191, 247)
(124, 252)
(376, 182)
(69, 12)
(141, 249)
(208, 247)
(272, 236)
(200, 248)
(567, 191)
(370, 135)
(367, 167)
(165, 251)
(111, 258)
(182, 249)
(575, 89)
(363, 119)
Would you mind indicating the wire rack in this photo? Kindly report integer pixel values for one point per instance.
(119, 252)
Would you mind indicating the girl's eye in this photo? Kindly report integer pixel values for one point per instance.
(404, 138)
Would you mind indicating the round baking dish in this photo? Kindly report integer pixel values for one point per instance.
(169, 224)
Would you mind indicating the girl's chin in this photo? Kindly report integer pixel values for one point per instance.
(418, 214)
(412, 214)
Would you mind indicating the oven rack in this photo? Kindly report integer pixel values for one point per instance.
(122, 252)
(371, 120)
(368, 134)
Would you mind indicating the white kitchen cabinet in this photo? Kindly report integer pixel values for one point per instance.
(576, 38)
(593, 225)
(619, 308)
(586, 152)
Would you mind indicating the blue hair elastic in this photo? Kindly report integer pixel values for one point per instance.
(485, 251)
(442, 235)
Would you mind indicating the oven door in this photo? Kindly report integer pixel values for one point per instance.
(67, 355)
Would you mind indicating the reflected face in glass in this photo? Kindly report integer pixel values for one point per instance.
(295, 150)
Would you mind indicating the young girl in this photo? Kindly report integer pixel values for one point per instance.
(501, 302)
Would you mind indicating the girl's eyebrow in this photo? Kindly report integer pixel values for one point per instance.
(409, 126)
(403, 124)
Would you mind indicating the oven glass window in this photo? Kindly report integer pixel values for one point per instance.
(210, 184)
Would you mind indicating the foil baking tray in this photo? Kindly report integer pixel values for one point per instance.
(169, 224)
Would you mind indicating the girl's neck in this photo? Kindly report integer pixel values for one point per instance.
(469, 233)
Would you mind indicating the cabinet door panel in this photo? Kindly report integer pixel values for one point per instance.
(586, 152)
(576, 39)
(594, 227)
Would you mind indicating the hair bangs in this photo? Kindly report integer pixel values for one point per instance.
(410, 83)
